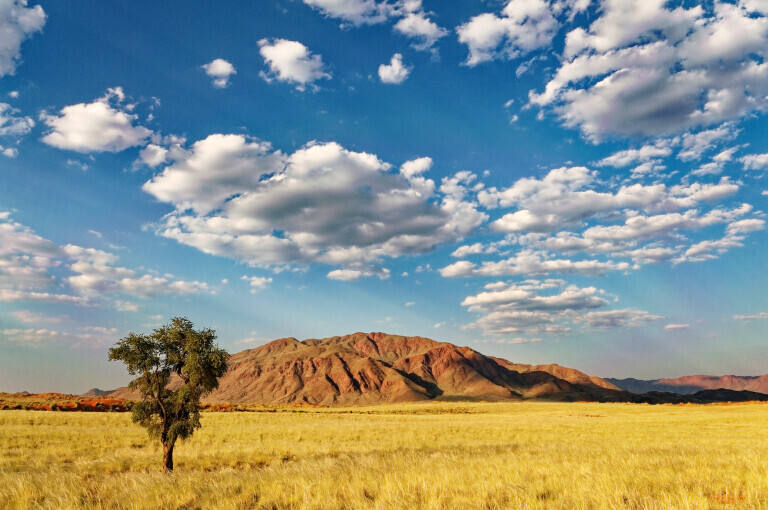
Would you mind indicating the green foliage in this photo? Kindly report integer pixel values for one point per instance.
(176, 365)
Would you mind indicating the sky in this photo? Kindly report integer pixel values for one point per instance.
(580, 182)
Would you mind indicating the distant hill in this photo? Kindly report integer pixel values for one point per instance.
(96, 392)
(374, 368)
(690, 384)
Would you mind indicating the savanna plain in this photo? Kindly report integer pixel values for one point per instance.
(439, 455)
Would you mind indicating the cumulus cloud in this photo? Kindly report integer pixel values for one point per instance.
(524, 25)
(395, 72)
(413, 21)
(100, 126)
(612, 319)
(571, 211)
(12, 125)
(473, 249)
(754, 161)
(27, 261)
(532, 263)
(258, 283)
(35, 337)
(153, 155)
(649, 68)
(239, 198)
(661, 149)
(694, 145)
(18, 22)
(96, 273)
(567, 196)
(220, 71)
(549, 306)
(25, 257)
(676, 327)
(28, 317)
(418, 26)
(356, 12)
(350, 275)
(291, 62)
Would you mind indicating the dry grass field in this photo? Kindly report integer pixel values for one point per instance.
(437, 455)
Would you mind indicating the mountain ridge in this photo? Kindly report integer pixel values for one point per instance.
(373, 368)
(690, 384)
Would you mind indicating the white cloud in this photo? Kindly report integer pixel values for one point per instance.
(27, 261)
(100, 126)
(356, 12)
(258, 283)
(748, 318)
(238, 198)
(694, 145)
(25, 257)
(350, 275)
(10, 295)
(645, 67)
(9, 152)
(524, 25)
(676, 327)
(96, 273)
(17, 23)
(566, 197)
(549, 306)
(153, 155)
(661, 149)
(570, 210)
(11, 125)
(532, 263)
(754, 161)
(473, 249)
(35, 337)
(291, 62)
(395, 72)
(28, 317)
(411, 169)
(417, 26)
(220, 71)
(611, 319)
(126, 306)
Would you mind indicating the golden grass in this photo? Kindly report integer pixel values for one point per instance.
(437, 455)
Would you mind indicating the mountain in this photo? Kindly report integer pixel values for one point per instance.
(690, 384)
(374, 368)
(96, 392)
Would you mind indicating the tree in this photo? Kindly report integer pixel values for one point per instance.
(176, 365)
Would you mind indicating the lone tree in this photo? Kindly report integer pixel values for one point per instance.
(175, 349)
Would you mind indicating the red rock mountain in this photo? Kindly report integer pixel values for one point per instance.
(692, 383)
(378, 368)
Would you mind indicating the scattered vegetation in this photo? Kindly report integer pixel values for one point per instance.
(62, 402)
(430, 455)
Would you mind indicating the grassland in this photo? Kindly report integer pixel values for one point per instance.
(519, 456)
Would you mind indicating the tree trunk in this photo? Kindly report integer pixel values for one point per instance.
(168, 457)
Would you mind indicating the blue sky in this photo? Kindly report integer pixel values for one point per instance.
(580, 182)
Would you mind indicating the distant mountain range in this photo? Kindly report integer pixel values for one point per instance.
(689, 384)
(375, 368)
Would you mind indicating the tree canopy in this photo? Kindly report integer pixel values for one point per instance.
(176, 365)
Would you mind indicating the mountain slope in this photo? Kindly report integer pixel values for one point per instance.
(378, 368)
(690, 384)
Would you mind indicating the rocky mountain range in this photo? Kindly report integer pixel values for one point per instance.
(376, 368)
(690, 384)
(373, 368)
